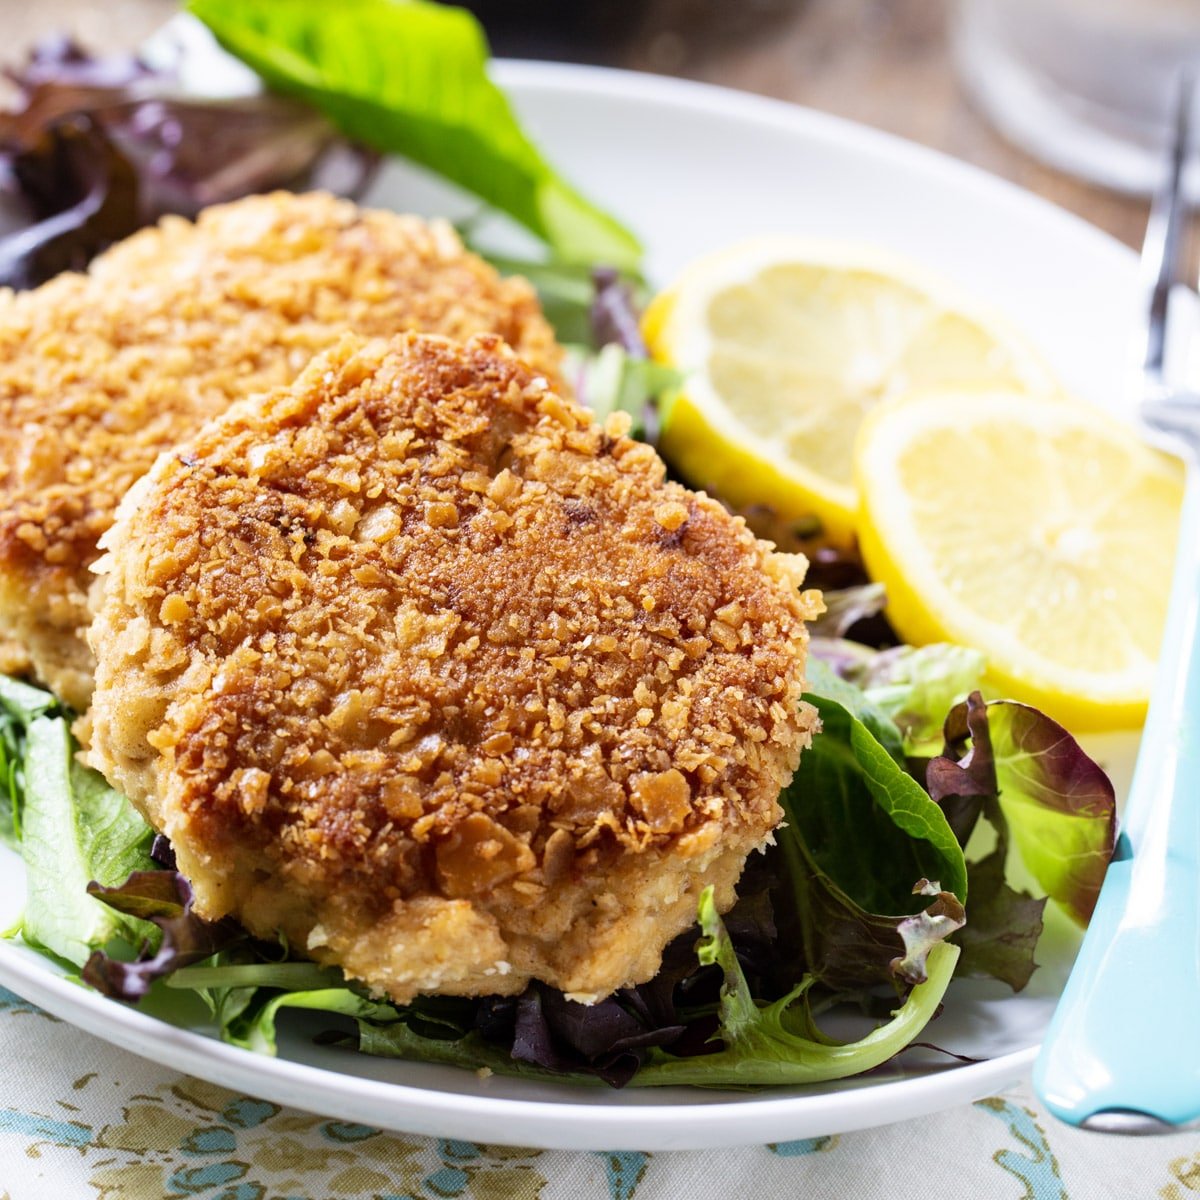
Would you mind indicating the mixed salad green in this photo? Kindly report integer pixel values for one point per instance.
(892, 869)
(868, 897)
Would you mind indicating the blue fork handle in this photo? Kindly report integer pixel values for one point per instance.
(1126, 1034)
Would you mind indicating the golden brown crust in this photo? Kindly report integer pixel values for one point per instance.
(101, 372)
(14, 658)
(419, 664)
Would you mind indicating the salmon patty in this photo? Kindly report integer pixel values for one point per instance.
(100, 372)
(420, 666)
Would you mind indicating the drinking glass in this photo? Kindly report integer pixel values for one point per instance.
(1085, 85)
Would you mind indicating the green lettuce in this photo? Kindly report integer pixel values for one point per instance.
(246, 998)
(566, 291)
(410, 78)
(75, 829)
(860, 843)
(20, 704)
(760, 1044)
(916, 686)
(614, 380)
(864, 820)
(779, 1043)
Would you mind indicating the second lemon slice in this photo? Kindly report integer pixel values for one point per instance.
(1041, 534)
(786, 344)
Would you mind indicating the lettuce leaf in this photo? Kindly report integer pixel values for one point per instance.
(164, 898)
(614, 381)
(865, 822)
(20, 704)
(916, 686)
(411, 79)
(860, 842)
(75, 829)
(752, 1043)
(1001, 938)
(95, 148)
(1058, 804)
(566, 290)
(779, 1043)
(846, 607)
(828, 684)
(861, 839)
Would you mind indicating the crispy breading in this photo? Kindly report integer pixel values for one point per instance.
(418, 664)
(14, 658)
(100, 372)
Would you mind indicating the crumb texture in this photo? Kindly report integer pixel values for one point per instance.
(417, 663)
(100, 372)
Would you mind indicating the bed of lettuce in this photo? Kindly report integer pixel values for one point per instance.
(890, 872)
(867, 898)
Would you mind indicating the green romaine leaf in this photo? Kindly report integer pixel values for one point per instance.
(75, 829)
(565, 289)
(615, 381)
(865, 822)
(410, 78)
(1059, 805)
(845, 947)
(20, 703)
(23, 701)
(12, 751)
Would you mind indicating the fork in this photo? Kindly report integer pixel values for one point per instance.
(1122, 1054)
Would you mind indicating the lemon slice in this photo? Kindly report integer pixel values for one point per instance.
(1041, 534)
(786, 344)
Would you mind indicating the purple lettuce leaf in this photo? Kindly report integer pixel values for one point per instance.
(1058, 804)
(615, 316)
(1002, 936)
(922, 931)
(97, 147)
(165, 898)
(963, 777)
(602, 1039)
(76, 194)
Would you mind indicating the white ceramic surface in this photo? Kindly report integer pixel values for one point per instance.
(692, 168)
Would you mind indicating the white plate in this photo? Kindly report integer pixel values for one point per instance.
(692, 168)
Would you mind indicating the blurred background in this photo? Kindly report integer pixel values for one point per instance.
(1079, 87)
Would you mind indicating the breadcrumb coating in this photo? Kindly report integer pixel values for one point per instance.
(100, 372)
(14, 658)
(416, 663)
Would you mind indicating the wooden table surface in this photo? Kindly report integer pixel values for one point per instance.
(886, 63)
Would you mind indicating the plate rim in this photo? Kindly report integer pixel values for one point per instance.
(532, 75)
(583, 1126)
(432, 1112)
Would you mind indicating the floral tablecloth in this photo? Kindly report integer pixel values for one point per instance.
(81, 1120)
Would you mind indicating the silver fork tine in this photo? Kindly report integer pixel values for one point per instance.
(1162, 249)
